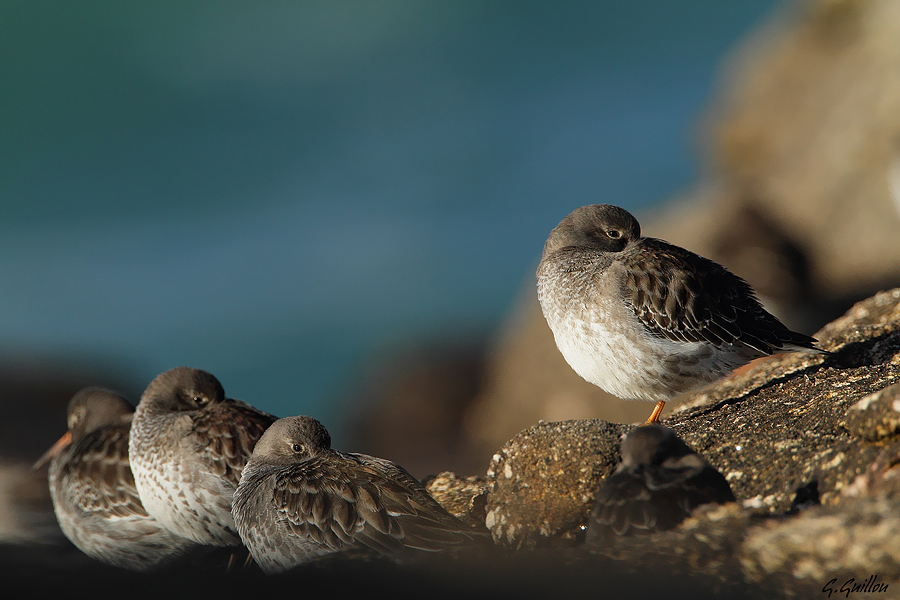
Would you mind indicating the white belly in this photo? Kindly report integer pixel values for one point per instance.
(605, 343)
(177, 487)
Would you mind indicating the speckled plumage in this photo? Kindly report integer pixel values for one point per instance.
(93, 491)
(189, 444)
(644, 319)
(658, 484)
(300, 500)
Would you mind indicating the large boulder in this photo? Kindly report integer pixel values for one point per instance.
(810, 444)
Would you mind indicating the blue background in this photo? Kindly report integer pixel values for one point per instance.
(276, 191)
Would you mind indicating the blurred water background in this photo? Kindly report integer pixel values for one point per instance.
(277, 192)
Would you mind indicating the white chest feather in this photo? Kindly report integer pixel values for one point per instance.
(605, 343)
(178, 488)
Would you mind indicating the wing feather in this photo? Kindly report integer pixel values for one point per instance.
(681, 296)
(98, 465)
(226, 434)
(346, 501)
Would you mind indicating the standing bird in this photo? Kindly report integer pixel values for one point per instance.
(92, 487)
(299, 500)
(659, 482)
(189, 444)
(644, 319)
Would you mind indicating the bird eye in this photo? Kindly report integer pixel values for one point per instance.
(200, 400)
(614, 233)
(75, 418)
(297, 447)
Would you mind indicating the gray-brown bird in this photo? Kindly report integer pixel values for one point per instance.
(189, 444)
(658, 484)
(93, 490)
(300, 500)
(644, 319)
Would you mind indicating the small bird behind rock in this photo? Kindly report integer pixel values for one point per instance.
(644, 319)
(659, 482)
(93, 491)
(189, 444)
(299, 500)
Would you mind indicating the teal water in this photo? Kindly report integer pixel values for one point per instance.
(276, 191)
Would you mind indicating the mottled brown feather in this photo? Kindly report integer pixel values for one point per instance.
(225, 434)
(361, 505)
(100, 461)
(681, 296)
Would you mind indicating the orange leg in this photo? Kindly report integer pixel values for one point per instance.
(654, 416)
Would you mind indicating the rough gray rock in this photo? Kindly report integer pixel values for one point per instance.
(800, 555)
(877, 416)
(543, 481)
(463, 497)
(708, 544)
(781, 424)
(789, 432)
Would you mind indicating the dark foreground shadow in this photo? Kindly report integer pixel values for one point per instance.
(39, 571)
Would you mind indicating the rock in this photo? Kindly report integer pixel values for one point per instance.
(771, 430)
(707, 543)
(780, 424)
(877, 416)
(463, 497)
(544, 481)
(881, 478)
(800, 556)
(807, 124)
(789, 432)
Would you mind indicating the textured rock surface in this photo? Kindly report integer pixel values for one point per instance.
(791, 432)
(877, 416)
(780, 425)
(707, 543)
(544, 480)
(857, 539)
(464, 497)
(772, 430)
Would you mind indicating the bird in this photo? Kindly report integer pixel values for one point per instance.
(189, 444)
(93, 490)
(644, 319)
(658, 484)
(299, 500)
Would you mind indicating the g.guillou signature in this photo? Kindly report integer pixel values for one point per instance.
(851, 586)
